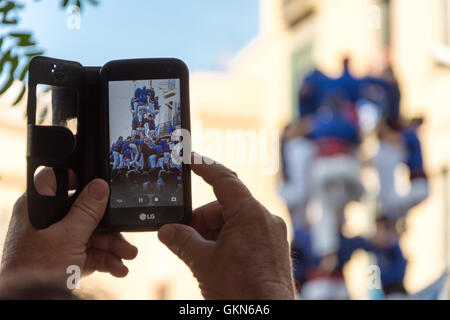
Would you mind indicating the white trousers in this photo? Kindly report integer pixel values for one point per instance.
(336, 182)
(295, 192)
(392, 204)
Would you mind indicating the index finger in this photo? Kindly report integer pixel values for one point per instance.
(229, 190)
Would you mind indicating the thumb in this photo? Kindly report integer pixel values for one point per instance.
(87, 210)
(186, 243)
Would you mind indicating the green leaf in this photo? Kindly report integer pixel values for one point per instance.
(13, 62)
(24, 72)
(6, 9)
(24, 39)
(36, 53)
(21, 46)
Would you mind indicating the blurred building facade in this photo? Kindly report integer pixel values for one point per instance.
(259, 92)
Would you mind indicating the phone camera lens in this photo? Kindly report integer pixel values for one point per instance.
(58, 72)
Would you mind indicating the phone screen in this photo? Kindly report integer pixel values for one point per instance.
(142, 116)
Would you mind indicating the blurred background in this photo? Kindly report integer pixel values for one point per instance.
(248, 60)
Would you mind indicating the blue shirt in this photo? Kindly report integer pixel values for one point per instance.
(158, 148)
(137, 142)
(138, 93)
(151, 123)
(302, 254)
(391, 261)
(142, 100)
(150, 93)
(118, 145)
(127, 153)
(334, 124)
(414, 158)
(312, 92)
(384, 94)
(165, 146)
(125, 145)
(348, 85)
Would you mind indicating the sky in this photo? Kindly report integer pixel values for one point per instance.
(203, 33)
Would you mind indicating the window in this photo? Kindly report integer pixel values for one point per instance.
(386, 22)
(442, 50)
(446, 22)
(296, 11)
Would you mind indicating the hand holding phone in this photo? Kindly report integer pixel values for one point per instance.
(127, 115)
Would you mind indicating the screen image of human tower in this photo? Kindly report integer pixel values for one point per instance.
(142, 116)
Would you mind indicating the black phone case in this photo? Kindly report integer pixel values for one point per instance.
(55, 146)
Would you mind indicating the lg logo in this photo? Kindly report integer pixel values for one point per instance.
(147, 216)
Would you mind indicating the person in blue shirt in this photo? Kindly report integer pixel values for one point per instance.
(117, 154)
(383, 94)
(151, 122)
(137, 141)
(154, 156)
(386, 249)
(150, 93)
(335, 125)
(156, 103)
(154, 106)
(347, 83)
(125, 144)
(393, 114)
(399, 145)
(414, 159)
(165, 146)
(138, 93)
(142, 101)
(302, 255)
(312, 91)
(384, 246)
(127, 158)
(148, 153)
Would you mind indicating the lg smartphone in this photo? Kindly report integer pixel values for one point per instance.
(145, 102)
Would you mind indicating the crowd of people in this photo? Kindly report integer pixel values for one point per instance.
(322, 161)
(141, 162)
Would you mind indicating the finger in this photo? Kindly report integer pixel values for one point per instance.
(45, 181)
(20, 221)
(186, 243)
(114, 243)
(103, 261)
(227, 187)
(207, 219)
(87, 211)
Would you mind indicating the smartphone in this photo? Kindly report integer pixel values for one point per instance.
(144, 103)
